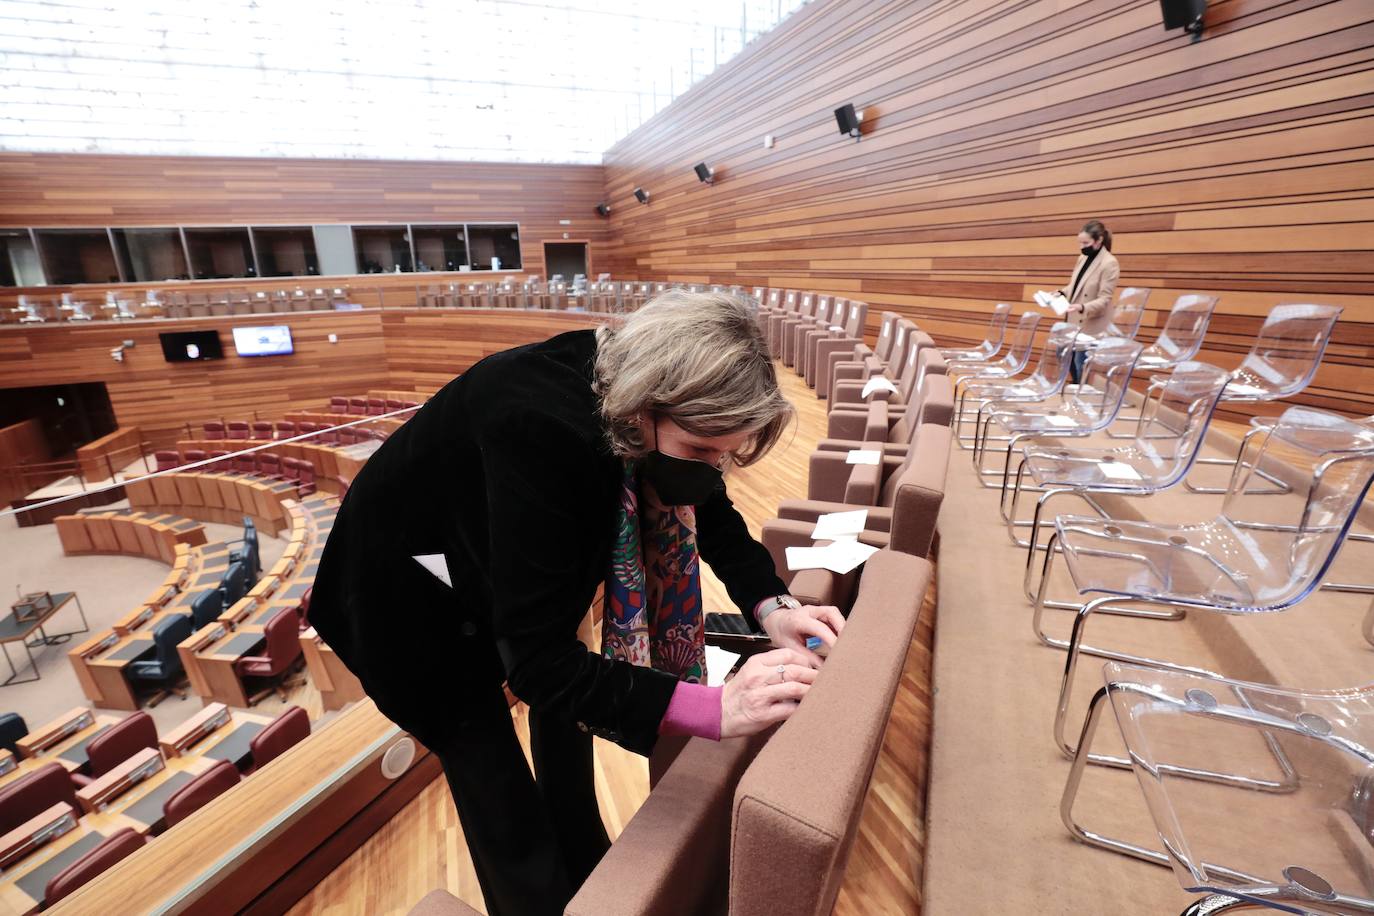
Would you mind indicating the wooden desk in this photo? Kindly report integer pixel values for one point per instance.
(12, 630)
(106, 671)
(337, 685)
(215, 660)
(23, 885)
(231, 742)
(73, 730)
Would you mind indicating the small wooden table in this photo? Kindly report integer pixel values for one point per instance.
(12, 630)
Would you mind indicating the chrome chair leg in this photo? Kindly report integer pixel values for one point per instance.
(1288, 781)
(1369, 625)
(1353, 587)
(1041, 602)
(1218, 904)
(1281, 487)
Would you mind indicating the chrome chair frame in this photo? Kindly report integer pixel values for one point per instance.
(992, 340)
(1038, 386)
(1156, 359)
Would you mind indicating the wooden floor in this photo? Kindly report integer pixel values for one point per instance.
(422, 847)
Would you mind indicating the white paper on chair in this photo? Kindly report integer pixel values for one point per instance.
(1241, 390)
(1055, 419)
(863, 456)
(1052, 301)
(836, 327)
(718, 664)
(436, 564)
(878, 383)
(837, 556)
(840, 525)
(1021, 391)
(1117, 470)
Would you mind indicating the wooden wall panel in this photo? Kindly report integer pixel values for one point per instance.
(21, 443)
(1242, 164)
(48, 190)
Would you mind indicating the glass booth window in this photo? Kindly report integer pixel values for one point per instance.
(19, 265)
(286, 251)
(77, 256)
(148, 255)
(494, 247)
(440, 247)
(220, 254)
(382, 249)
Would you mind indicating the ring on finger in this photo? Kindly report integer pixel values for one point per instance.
(782, 673)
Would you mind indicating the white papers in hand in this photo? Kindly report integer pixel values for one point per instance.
(863, 456)
(436, 564)
(1116, 470)
(1052, 301)
(718, 664)
(840, 525)
(837, 556)
(878, 383)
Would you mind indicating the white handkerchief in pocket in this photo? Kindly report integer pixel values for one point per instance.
(436, 564)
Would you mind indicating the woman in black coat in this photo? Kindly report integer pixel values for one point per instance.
(540, 474)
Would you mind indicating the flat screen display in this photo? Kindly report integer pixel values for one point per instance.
(270, 340)
(189, 346)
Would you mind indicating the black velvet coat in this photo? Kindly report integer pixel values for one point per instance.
(507, 473)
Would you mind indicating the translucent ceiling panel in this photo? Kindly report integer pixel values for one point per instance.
(495, 80)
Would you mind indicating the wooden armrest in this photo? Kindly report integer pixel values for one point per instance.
(98, 795)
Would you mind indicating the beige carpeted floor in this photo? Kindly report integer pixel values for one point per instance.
(996, 842)
(31, 559)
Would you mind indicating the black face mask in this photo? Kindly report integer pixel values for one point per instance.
(1088, 249)
(680, 481)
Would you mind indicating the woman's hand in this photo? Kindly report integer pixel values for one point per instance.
(765, 691)
(790, 627)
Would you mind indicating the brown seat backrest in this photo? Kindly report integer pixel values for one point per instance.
(200, 791)
(934, 402)
(31, 795)
(120, 742)
(791, 836)
(117, 846)
(916, 492)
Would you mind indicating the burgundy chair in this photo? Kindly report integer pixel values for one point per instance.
(290, 470)
(269, 465)
(281, 734)
(305, 481)
(220, 465)
(214, 429)
(245, 463)
(167, 459)
(338, 405)
(262, 429)
(193, 455)
(31, 795)
(117, 744)
(376, 406)
(303, 427)
(285, 429)
(393, 405)
(200, 791)
(357, 406)
(283, 649)
(303, 609)
(237, 429)
(410, 404)
(117, 846)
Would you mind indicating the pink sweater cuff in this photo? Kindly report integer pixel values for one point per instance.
(694, 710)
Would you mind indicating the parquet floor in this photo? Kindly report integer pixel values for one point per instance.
(422, 847)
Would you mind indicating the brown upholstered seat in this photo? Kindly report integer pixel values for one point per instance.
(200, 791)
(282, 733)
(119, 845)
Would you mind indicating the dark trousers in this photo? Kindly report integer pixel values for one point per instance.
(1076, 366)
(534, 837)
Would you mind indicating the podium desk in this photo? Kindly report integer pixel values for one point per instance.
(13, 630)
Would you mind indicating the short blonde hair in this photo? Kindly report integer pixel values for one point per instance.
(697, 358)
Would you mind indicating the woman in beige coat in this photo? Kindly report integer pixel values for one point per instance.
(1091, 290)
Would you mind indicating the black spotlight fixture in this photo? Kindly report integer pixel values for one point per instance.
(641, 195)
(705, 174)
(603, 210)
(848, 119)
(1184, 14)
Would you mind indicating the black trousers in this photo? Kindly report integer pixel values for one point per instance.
(534, 837)
(1076, 366)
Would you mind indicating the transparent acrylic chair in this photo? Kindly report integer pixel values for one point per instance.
(1014, 357)
(1262, 554)
(1090, 407)
(1159, 458)
(992, 342)
(1309, 850)
(1281, 363)
(1129, 310)
(1178, 341)
(1045, 382)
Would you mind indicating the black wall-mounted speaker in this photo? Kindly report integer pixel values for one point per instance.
(641, 195)
(603, 210)
(1179, 14)
(848, 119)
(704, 172)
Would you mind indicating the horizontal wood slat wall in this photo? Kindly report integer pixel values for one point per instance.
(1240, 164)
(50, 190)
(397, 349)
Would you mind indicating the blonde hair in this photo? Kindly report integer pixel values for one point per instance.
(697, 358)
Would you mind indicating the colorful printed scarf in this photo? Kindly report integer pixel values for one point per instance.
(652, 612)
